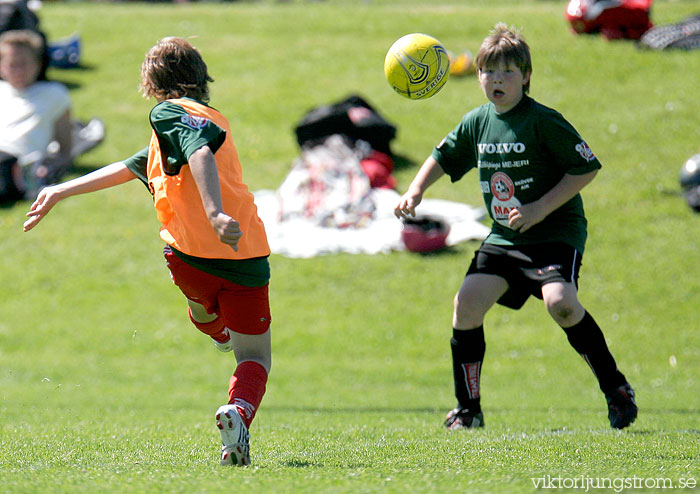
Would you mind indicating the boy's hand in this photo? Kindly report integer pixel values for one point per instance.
(227, 229)
(47, 199)
(524, 217)
(407, 205)
(429, 172)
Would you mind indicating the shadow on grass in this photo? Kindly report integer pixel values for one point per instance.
(302, 464)
(80, 170)
(495, 411)
(12, 204)
(402, 162)
(359, 409)
(445, 251)
(71, 85)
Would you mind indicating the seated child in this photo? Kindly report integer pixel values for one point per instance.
(34, 114)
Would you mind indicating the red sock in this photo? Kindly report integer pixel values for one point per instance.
(214, 328)
(247, 388)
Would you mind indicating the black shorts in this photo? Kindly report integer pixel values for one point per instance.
(527, 268)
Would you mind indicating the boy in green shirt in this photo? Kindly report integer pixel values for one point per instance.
(532, 164)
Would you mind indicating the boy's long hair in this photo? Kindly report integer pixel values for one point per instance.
(505, 45)
(174, 68)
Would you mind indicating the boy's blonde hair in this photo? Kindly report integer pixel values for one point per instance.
(505, 45)
(174, 68)
(24, 38)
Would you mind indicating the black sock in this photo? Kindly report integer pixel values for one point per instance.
(468, 348)
(588, 340)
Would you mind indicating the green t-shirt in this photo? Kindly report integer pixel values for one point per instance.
(246, 272)
(180, 134)
(520, 155)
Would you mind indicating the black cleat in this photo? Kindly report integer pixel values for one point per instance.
(622, 409)
(463, 418)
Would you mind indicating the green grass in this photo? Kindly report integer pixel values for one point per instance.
(105, 386)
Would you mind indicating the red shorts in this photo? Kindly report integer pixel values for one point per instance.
(244, 309)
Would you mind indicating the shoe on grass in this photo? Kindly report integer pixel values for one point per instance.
(463, 418)
(235, 439)
(622, 408)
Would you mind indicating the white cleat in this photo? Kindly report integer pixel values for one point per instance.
(235, 446)
(226, 346)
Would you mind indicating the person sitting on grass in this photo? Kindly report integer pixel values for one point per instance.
(532, 164)
(34, 114)
(216, 245)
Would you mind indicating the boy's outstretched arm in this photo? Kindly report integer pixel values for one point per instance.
(526, 216)
(203, 167)
(428, 174)
(108, 176)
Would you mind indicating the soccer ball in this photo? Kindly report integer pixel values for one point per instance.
(690, 172)
(417, 66)
(462, 64)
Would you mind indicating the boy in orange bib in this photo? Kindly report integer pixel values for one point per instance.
(216, 247)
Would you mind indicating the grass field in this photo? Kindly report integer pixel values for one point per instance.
(105, 386)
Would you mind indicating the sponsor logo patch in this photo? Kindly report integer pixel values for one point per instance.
(500, 147)
(194, 121)
(585, 151)
(502, 186)
(503, 190)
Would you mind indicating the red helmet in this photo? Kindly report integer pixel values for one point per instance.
(424, 234)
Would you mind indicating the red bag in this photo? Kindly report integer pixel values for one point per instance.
(378, 167)
(614, 19)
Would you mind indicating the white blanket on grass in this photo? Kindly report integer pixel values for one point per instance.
(302, 238)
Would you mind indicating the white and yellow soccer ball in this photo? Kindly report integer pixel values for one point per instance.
(417, 66)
